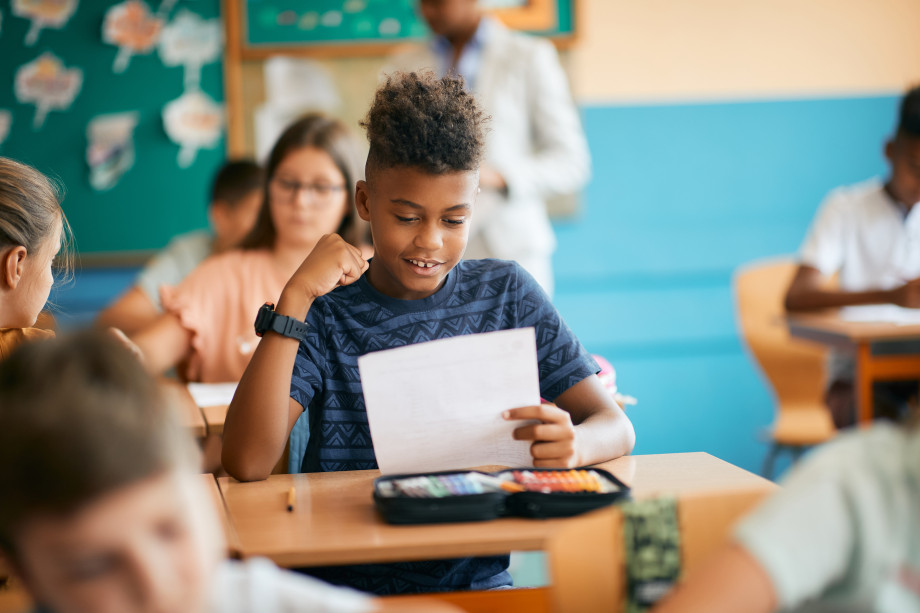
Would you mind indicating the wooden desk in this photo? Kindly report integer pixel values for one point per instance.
(857, 337)
(178, 395)
(334, 522)
(214, 417)
(233, 544)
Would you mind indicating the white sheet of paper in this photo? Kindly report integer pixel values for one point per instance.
(437, 405)
(212, 394)
(884, 313)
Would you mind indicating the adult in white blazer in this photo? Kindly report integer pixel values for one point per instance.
(536, 148)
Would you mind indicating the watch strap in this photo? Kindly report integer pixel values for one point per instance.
(268, 320)
(287, 326)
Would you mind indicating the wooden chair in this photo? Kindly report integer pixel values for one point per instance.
(794, 369)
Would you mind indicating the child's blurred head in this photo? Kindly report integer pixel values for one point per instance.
(310, 175)
(101, 509)
(903, 151)
(449, 18)
(32, 229)
(236, 197)
(426, 144)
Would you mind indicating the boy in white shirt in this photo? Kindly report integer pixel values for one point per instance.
(869, 233)
(101, 510)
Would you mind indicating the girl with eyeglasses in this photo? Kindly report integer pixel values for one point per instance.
(207, 329)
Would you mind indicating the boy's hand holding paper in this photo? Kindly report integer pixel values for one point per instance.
(552, 438)
(440, 405)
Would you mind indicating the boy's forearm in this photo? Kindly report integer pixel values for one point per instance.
(259, 418)
(604, 436)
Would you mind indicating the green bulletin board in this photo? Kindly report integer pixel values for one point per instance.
(155, 199)
(349, 22)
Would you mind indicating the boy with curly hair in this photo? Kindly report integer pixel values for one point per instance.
(426, 144)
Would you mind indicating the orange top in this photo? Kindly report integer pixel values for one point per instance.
(218, 303)
(10, 338)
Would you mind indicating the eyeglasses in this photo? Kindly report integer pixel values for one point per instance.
(320, 192)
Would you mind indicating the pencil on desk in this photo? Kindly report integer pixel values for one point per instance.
(290, 503)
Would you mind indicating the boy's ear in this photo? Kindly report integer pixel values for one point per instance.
(361, 199)
(889, 150)
(13, 263)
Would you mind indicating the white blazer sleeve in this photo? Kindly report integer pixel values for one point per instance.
(559, 162)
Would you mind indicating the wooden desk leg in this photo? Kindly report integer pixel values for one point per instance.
(864, 384)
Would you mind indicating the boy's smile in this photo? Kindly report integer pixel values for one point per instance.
(420, 225)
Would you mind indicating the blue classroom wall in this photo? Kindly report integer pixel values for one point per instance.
(681, 196)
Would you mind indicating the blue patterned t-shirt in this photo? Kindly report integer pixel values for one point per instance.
(478, 296)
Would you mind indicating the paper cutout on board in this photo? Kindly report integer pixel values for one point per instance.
(133, 28)
(190, 41)
(45, 83)
(6, 120)
(110, 148)
(193, 121)
(44, 14)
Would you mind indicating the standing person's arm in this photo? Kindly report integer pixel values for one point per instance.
(559, 163)
(262, 413)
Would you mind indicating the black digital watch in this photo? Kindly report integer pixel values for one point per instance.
(267, 320)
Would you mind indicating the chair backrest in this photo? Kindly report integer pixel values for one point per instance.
(795, 369)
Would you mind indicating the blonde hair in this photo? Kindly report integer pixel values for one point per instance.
(30, 207)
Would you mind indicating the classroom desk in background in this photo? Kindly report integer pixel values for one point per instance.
(857, 337)
(214, 417)
(334, 522)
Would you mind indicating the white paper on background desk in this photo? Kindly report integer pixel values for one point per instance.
(212, 394)
(881, 313)
(437, 405)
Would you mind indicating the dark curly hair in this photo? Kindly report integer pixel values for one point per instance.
(421, 121)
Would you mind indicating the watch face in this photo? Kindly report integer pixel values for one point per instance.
(263, 318)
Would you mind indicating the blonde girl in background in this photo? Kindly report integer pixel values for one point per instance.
(32, 230)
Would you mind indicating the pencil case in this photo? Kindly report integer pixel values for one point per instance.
(470, 495)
